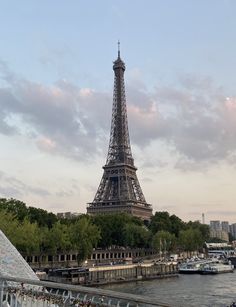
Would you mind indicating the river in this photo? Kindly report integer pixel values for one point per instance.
(186, 290)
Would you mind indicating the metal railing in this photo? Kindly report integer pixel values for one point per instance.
(22, 292)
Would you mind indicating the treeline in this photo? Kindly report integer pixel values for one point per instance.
(37, 231)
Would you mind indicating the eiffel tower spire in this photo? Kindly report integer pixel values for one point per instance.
(119, 147)
(119, 189)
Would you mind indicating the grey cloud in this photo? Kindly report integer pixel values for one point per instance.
(10, 191)
(147, 179)
(152, 163)
(74, 190)
(221, 213)
(167, 208)
(37, 191)
(62, 118)
(191, 117)
(6, 102)
(5, 128)
(148, 164)
(6, 74)
(63, 193)
(11, 186)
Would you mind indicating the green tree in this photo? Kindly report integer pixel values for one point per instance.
(190, 239)
(160, 221)
(163, 241)
(45, 241)
(28, 239)
(176, 225)
(85, 237)
(16, 207)
(59, 238)
(21, 211)
(136, 236)
(112, 228)
(9, 225)
(215, 240)
(203, 228)
(42, 217)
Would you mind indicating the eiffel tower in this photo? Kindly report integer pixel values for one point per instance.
(119, 189)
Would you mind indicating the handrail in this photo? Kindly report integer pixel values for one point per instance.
(138, 299)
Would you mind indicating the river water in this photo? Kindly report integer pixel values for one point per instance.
(186, 290)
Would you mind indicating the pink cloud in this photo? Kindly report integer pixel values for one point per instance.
(46, 144)
(230, 103)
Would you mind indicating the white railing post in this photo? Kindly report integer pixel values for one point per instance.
(1, 291)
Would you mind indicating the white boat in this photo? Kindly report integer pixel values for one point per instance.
(216, 268)
(192, 267)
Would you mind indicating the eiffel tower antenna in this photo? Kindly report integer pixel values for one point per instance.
(118, 49)
(119, 189)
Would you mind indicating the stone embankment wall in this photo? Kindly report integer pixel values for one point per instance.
(98, 256)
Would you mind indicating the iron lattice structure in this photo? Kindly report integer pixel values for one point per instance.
(119, 189)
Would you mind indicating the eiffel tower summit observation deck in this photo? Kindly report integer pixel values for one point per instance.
(119, 189)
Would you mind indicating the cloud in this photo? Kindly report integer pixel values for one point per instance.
(61, 119)
(222, 213)
(63, 193)
(147, 179)
(167, 208)
(194, 118)
(12, 186)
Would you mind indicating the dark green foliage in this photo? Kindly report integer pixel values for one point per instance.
(34, 215)
(216, 240)
(119, 229)
(16, 207)
(185, 236)
(84, 237)
(34, 230)
(176, 225)
(191, 239)
(136, 236)
(203, 229)
(164, 241)
(162, 221)
(42, 217)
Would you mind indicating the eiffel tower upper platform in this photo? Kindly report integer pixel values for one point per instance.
(119, 189)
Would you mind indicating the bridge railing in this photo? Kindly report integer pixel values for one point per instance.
(22, 292)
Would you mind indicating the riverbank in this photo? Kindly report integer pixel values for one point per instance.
(111, 274)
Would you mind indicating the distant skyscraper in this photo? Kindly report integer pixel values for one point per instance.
(225, 226)
(215, 225)
(119, 189)
(216, 230)
(233, 230)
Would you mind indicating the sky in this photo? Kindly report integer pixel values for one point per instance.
(56, 86)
